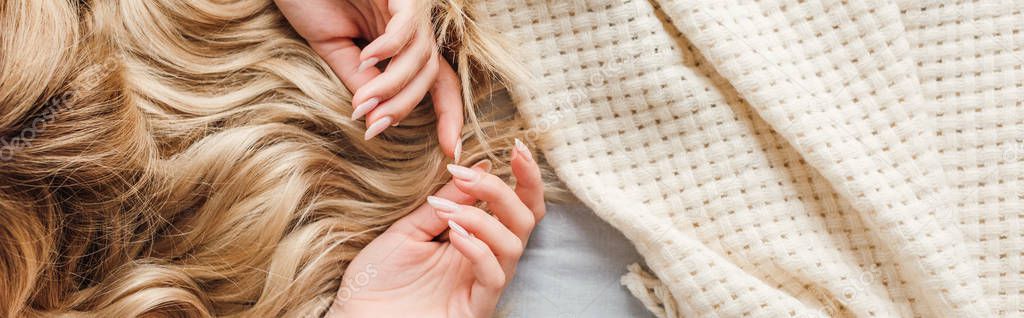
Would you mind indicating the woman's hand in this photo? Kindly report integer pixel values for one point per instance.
(406, 273)
(399, 30)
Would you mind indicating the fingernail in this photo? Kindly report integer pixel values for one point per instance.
(377, 127)
(484, 165)
(521, 147)
(396, 124)
(458, 229)
(366, 64)
(458, 150)
(443, 206)
(463, 173)
(364, 108)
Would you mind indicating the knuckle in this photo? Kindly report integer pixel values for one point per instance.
(517, 250)
(541, 212)
(515, 254)
(499, 279)
(428, 64)
(530, 220)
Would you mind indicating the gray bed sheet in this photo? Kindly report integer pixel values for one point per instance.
(571, 269)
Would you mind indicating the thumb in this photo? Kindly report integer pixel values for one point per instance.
(423, 224)
(342, 55)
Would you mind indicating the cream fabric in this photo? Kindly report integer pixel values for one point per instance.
(790, 157)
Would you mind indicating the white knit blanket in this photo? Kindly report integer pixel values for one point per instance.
(790, 158)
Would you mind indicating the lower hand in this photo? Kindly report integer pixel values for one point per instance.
(405, 272)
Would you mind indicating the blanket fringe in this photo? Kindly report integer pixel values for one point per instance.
(650, 291)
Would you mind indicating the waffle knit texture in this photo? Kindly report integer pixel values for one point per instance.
(789, 158)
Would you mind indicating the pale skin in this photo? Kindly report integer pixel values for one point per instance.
(399, 32)
(406, 272)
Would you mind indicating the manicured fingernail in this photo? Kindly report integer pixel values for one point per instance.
(458, 150)
(364, 108)
(484, 165)
(522, 149)
(366, 64)
(463, 173)
(444, 207)
(377, 127)
(458, 228)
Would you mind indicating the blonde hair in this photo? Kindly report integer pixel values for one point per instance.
(194, 158)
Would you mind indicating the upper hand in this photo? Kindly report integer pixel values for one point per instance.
(399, 30)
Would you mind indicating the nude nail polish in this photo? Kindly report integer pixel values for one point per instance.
(463, 173)
(377, 127)
(442, 206)
(458, 151)
(364, 108)
(367, 64)
(522, 149)
(458, 229)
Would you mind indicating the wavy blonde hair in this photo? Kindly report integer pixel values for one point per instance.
(194, 158)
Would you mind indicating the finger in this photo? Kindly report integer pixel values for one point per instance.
(423, 224)
(342, 55)
(488, 271)
(505, 244)
(399, 106)
(447, 101)
(499, 197)
(400, 71)
(397, 34)
(529, 184)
